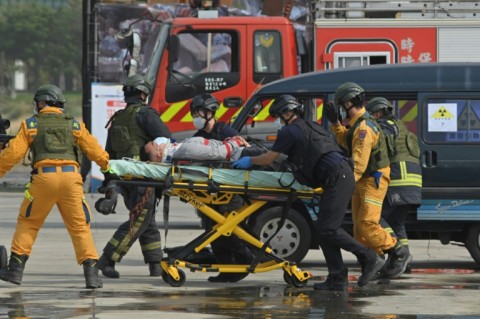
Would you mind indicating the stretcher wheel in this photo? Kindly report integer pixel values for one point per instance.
(172, 281)
(298, 283)
(288, 278)
(3, 257)
(293, 281)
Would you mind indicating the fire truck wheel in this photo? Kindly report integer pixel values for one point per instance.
(473, 242)
(293, 240)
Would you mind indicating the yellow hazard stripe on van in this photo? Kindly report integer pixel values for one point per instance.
(319, 111)
(172, 110)
(264, 113)
(410, 115)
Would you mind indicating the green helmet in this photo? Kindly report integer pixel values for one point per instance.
(137, 83)
(284, 103)
(348, 91)
(378, 104)
(50, 93)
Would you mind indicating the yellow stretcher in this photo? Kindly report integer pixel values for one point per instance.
(200, 186)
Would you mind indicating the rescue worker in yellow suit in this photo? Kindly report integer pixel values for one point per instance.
(365, 143)
(405, 189)
(53, 138)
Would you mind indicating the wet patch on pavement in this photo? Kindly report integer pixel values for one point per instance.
(256, 302)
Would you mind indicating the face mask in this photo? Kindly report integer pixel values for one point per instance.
(342, 112)
(278, 123)
(199, 123)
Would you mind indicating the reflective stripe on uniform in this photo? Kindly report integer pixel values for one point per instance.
(373, 202)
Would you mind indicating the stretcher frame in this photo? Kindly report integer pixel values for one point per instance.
(203, 194)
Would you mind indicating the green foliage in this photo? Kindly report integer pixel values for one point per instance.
(19, 108)
(48, 40)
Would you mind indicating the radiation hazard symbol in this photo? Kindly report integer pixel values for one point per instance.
(442, 117)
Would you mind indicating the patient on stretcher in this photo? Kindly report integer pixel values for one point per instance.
(162, 150)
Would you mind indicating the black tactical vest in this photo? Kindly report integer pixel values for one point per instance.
(316, 143)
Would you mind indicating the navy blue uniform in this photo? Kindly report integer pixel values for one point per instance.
(227, 249)
(333, 172)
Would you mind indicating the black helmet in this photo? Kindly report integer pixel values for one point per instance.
(378, 104)
(50, 93)
(282, 104)
(204, 101)
(348, 91)
(137, 83)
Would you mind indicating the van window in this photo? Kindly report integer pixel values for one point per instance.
(262, 126)
(407, 111)
(452, 121)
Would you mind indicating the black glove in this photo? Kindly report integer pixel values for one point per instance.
(331, 113)
(109, 175)
(106, 205)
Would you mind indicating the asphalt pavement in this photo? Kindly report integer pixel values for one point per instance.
(444, 283)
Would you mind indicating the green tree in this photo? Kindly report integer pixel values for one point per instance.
(48, 40)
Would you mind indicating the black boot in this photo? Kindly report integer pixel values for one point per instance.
(401, 257)
(372, 263)
(107, 266)
(334, 282)
(90, 271)
(14, 271)
(155, 269)
(3, 257)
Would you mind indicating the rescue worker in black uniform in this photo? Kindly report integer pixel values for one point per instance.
(130, 129)
(319, 162)
(226, 249)
(404, 192)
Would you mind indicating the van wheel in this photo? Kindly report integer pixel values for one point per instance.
(473, 242)
(293, 240)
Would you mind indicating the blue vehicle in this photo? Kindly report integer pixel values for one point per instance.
(439, 102)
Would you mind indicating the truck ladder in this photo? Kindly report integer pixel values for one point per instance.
(412, 9)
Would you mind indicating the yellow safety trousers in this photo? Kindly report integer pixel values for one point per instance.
(366, 211)
(66, 191)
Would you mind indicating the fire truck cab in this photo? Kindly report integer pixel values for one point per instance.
(229, 57)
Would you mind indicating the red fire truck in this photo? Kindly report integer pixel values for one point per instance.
(232, 56)
(263, 49)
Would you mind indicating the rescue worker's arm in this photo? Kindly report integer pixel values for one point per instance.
(264, 159)
(340, 133)
(16, 150)
(364, 139)
(90, 147)
(153, 125)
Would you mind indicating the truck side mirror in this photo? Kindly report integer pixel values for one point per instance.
(255, 110)
(173, 48)
(232, 102)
